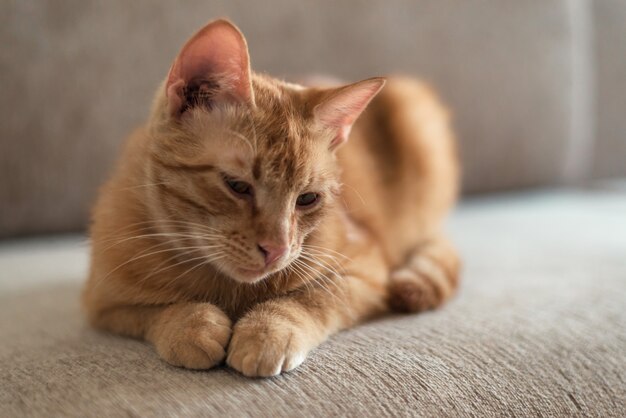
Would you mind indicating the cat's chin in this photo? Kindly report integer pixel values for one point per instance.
(248, 275)
(251, 276)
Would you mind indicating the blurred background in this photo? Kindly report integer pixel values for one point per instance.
(537, 88)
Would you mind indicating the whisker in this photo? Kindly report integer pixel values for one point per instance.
(161, 234)
(305, 277)
(303, 266)
(158, 269)
(357, 193)
(304, 280)
(325, 266)
(170, 283)
(207, 259)
(320, 263)
(143, 185)
(322, 249)
(161, 222)
(140, 256)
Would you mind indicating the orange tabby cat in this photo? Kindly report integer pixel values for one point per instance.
(240, 223)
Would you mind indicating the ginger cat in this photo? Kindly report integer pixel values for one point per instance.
(251, 218)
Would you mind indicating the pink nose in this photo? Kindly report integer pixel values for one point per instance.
(272, 251)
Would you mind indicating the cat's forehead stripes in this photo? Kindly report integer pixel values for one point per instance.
(271, 143)
(283, 154)
(256, 168)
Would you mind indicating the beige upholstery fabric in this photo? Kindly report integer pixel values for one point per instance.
(78, 75)
(538, 329)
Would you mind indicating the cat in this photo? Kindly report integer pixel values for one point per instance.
(251, 218)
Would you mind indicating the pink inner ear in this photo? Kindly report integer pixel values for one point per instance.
(343, 107)
(217, 53)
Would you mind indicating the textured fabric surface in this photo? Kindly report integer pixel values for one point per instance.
(538, 329)
(78, 75)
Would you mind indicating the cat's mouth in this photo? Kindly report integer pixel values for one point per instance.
(253, 274)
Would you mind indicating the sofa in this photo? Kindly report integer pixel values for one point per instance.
(537, 91)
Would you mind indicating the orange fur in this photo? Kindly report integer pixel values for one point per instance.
(176, 255)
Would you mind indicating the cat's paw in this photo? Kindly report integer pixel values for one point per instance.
(192, 335)
(421, 285)
(266, 348)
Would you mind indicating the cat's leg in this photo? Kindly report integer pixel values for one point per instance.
(191, 335)
(429, 277)
(276, 336)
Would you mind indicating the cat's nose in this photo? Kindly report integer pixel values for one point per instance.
(271, 251)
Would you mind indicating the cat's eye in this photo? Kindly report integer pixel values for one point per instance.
(306, 199)
(239, 187)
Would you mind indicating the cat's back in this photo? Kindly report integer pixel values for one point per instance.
(400, 171)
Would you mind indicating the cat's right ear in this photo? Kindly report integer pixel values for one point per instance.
(343, 105)
(212, 66)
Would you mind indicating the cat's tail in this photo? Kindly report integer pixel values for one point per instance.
(428, 278)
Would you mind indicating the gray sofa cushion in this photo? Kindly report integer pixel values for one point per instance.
(538, 329)
(610, 78)
(79, 75)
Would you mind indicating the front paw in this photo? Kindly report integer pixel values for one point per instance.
(192, 335)
(266, 347)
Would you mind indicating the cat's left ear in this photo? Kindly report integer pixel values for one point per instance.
(213, 66)
(342, 106)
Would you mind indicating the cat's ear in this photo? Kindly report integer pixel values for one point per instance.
(343, 105)
(212, 66)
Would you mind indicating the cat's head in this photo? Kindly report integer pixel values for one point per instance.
(245, 164)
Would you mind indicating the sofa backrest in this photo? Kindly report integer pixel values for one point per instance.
(519, 77)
